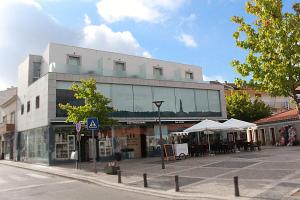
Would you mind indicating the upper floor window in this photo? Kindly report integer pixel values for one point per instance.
(119, 66)
(189, 75)
(36, 70)
(22, 109)
(157, 71)
(12, 117)
(37, 102)
(28, 106)
(74, 60)
(4, 119)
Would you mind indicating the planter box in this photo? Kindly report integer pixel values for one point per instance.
(111, 169)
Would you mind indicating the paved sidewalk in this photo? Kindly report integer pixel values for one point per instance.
(273, 173)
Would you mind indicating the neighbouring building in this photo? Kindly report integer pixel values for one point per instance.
(277, 103)
(279, 129)
(131, 82)
(8, 106)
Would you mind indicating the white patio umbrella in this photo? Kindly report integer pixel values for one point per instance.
(208, 126)
(235, 124)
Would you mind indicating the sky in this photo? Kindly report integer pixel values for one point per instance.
(197, 32)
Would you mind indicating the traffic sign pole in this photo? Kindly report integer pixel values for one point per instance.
(94, 151)
(93, 124)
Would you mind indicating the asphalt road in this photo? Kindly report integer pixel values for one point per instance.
(21, 184)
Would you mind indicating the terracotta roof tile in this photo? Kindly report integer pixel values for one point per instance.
(287, 115)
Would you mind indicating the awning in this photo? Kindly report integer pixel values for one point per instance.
(206, 125)
(235, 124)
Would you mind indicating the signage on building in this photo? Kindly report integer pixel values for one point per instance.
(92, 123)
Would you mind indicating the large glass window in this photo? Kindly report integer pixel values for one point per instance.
(201, 100)
(36, 70)
(64, 97)
(122, 97)
(142, 99)
(34, 144)
(214, 101)
(167, 95)
(185, 100)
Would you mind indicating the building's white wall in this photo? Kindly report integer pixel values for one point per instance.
(93, 60)
(36, 117)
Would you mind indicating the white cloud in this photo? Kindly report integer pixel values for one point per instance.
(25, 29)
(187, 40)
(214, 78)
(138, 10)
(146, 54)
(104, 38)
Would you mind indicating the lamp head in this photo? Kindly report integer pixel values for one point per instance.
(158, 103)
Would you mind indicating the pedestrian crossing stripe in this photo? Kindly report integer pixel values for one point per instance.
(93, 125)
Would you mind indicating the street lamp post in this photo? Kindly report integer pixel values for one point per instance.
(158, 104)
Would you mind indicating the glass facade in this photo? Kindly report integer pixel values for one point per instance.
(136, 101)
(33, 145)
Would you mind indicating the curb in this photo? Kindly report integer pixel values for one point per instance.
(83, 178)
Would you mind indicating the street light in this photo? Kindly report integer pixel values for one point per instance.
(158, 104)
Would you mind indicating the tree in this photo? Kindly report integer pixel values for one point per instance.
(96, 105)
(240, 106)
(272, 42)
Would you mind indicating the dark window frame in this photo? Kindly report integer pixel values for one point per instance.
(22, 109)
(28, 106)
(73, 56)
(37, 102)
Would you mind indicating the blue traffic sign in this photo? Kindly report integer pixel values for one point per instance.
(92, 123)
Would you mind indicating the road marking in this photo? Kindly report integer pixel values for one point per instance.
(2, 181)
(35, 186)
(17, 178)
(37, 176)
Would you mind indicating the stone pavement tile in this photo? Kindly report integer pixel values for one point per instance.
(231, 164)
(157, 170)
(278, 165)
(166, 182)
(259, 174)
(280, 191)
(225, 188)
(202, 172)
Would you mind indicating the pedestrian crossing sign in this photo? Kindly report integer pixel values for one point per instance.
(92, 123)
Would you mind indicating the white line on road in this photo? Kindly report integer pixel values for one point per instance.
(37, 176)
(35, 186)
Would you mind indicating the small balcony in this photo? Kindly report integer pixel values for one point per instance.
(5, 128)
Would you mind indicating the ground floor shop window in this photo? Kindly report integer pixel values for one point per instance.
(34, 144)
(65, 143)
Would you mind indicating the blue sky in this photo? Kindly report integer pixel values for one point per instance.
(197, 32)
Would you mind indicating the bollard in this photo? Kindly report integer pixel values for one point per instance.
(119, 176)
(145, 180)
(176, 183)
(236, 186)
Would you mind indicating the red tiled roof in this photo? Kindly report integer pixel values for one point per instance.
(287, 115)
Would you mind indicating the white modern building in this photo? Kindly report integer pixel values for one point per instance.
(131, 82)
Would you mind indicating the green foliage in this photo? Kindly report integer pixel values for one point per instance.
(273, 45)
(239, 106)
(96, 105)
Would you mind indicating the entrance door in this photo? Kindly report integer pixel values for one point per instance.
(273, 136)
(263, 136)
(143, 146)
(84, 149)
